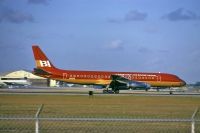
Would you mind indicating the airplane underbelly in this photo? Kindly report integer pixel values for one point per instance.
(163, 84)
(86, 81)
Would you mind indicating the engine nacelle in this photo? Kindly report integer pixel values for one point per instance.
(135, 84)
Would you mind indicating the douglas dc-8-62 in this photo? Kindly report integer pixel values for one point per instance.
(115, 80)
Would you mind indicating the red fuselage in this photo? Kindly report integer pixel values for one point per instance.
(103, 77)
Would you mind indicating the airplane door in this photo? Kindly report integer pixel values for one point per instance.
(158, 78)
(65, 75)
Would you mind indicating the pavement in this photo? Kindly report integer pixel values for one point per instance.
(85, 91)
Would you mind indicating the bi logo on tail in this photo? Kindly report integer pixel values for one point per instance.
(43, 63)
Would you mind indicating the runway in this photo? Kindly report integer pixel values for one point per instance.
(85, 91)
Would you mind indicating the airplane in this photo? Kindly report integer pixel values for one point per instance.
(107, 79)
(14, 82)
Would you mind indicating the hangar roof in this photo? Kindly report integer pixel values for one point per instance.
(20, 74)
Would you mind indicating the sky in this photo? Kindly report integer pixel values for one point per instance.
(111, 35)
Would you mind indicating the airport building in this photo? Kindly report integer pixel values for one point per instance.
(23, 78)
(26, 78)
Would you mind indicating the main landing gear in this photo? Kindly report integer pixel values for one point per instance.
(111, 91)
(116, 91)
(170, 91)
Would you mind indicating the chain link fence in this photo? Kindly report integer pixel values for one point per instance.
(54, 119)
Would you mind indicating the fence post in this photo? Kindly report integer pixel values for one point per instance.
(193, 120)
(37, 118)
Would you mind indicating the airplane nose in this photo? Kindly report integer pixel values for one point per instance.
(183, 83)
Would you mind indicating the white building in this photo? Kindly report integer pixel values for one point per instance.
(23, 77)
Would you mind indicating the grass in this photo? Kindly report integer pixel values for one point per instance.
(118, 127)
(99, 106)
(108, 106)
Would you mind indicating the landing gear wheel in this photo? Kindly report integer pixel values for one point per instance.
(170, 92)
(116, 91)
(105, 91)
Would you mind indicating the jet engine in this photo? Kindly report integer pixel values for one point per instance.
(137, 85)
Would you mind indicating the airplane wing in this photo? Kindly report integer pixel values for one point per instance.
(120, 78)
(2, 84)
(16, 83)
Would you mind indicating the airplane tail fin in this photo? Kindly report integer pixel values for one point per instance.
(42, 62)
